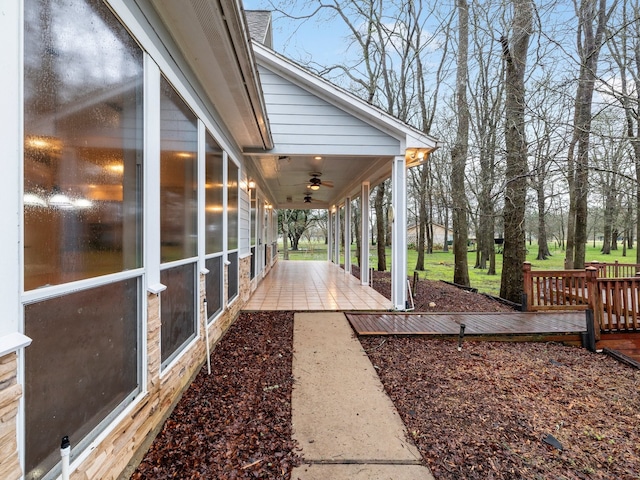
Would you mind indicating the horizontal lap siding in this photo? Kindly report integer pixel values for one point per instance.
(301, 122)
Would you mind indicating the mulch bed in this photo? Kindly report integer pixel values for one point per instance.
(236, 422)
(436, 296)
(482, 413)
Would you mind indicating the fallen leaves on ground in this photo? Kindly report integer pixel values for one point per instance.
(483, 413)
(437, 296)
(236, 422)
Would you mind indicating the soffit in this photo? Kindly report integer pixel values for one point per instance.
(213, 40)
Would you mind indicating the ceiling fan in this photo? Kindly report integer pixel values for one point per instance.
(315, 182)
(308, 198)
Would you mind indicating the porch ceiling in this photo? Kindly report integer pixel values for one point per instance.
(285, 178)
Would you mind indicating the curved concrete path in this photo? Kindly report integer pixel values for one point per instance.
(344, 422)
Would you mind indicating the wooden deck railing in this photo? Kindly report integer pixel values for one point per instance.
(616, 269)
(556, 289)
(615, 302)
(616, 307)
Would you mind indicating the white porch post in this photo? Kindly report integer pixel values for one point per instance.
(336, 232)
(329, 235)
(347, 235)
(399, 234)
(364, 233)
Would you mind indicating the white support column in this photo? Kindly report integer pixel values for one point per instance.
(347, 235)
(364, 233)
(329, 235)
(399, 234)
(336, 232)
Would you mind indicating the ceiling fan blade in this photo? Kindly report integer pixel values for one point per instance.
(327, 184)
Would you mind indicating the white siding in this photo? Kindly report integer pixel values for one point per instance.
(302, 122)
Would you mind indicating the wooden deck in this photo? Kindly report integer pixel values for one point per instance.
(485, 324)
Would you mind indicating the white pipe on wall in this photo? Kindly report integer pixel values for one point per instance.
(65, 452)
(206, 335)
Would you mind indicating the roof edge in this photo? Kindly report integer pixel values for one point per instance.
(236, 21)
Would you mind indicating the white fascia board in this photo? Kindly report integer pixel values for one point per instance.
(409, 136)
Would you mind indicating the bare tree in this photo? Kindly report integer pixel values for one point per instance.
(487, 105)
(515, 56)
(624, 45)
(548, 116)
(592, 21)
(459, 151)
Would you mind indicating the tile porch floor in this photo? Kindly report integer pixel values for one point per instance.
(313, 286)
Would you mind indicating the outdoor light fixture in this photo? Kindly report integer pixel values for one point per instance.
(416, 156)
(251, 184)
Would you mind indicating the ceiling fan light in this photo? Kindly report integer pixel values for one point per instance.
(315, 187)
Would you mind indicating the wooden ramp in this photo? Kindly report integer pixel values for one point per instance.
(623, 346)
(488, 324)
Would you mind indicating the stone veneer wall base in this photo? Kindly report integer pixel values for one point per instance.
(10, 394)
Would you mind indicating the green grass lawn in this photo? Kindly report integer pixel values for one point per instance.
(439, 265)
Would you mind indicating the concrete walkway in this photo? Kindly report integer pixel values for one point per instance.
(343, 420)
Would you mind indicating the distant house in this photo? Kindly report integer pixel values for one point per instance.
(439, 233)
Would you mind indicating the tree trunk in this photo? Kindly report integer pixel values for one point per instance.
(515, 56)
(543, 246)
(422, 216)
(459, 152)
(607, 227)
(589, 46)
(445, 247)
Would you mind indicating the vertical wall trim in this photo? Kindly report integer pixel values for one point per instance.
(202, 196)
(11, 133)
(399, 234)
(225, 206)
(365, 230)
(152, 167)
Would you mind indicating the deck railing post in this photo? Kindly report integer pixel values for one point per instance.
(590, 341)
(595, 301)
(527, 289)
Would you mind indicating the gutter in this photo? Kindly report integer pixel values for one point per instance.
(236, 23)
